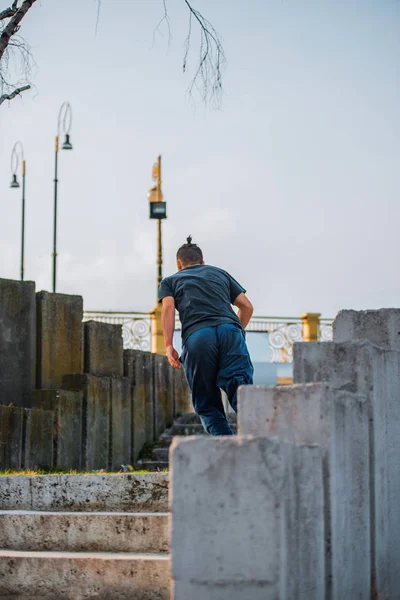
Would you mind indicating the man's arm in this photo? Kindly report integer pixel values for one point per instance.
(245, 309)
(168, 322)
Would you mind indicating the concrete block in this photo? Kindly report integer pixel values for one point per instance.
(11, 429)
(84, 575)
(338, 421)
(96, 419)
(84, 531)
(38, 439)
(380, 327)
(253, 525)
(104, 352)
(59, 338)
(366, 369)
(121, 427)
(182, 396)
(138, 368)
(17, 342)
(95, 492)
(163, 394)
(68, 425)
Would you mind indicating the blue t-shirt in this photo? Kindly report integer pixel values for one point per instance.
(203, 296)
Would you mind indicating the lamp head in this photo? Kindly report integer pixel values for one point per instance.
(67, 144)
(14, 183)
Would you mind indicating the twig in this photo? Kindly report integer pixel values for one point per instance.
(211, 60)
(16, 92)
(166, 19)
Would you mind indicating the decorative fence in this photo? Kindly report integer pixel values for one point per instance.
(282, 331)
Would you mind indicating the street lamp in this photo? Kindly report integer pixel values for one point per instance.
(17, 157)
(63, 127)
(158, 210)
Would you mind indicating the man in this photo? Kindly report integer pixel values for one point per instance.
(214, 354)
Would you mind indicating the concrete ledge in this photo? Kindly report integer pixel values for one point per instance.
(247, 519)
(380, 327)
(83, 575)
(128, 492)
(84, 531)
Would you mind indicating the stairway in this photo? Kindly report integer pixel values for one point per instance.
(186, 424)
(77, 537)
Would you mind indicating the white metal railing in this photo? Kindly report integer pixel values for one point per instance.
(282, 331)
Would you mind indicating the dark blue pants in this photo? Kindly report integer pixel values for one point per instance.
(216, 358)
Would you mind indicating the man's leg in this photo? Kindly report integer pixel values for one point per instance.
(200, 361)
(235, 366)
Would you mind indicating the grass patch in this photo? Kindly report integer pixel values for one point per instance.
(68, 472)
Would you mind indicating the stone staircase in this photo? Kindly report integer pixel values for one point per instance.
(185, 425)
(77, 537)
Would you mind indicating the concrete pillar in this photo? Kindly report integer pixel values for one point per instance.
(11, 429)
(157, 334)
(310, 326)
(17, 342)
(68, 425)
(38, 439)
(121, 428)
(163, 394)
(104, 351)
(59, 338)
(247, 519)
(182, 395)
(95, 420)
(363, 368)
(138, 368)
(338, 422)
(380, 327)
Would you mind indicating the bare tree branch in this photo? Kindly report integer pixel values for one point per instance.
(13, 94)
(211, 58)
(9, 12)
(13, 25)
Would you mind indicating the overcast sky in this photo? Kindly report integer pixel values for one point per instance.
(293, 186)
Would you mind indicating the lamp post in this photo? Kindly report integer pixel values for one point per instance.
(17, 157)
(158, 210)
(63, 127)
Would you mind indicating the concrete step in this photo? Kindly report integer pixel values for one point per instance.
(194, 419)
(152, 465)
(178, 429)
(84, 531)
(160, 454)
(112, 493)
(83, 575)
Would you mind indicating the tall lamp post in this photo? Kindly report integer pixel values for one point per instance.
(63, 127)
(17, 157)
(158, 210)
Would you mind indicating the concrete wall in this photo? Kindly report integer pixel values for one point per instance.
(50, 361)
(338, 422)
(17, 342)
(247, 519)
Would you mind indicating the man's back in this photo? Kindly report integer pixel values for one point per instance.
(203, 296)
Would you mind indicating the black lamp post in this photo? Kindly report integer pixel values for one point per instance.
(63, 127)
(158, 210)
(17, 157)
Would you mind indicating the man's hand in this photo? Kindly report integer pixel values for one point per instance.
(173, 357)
